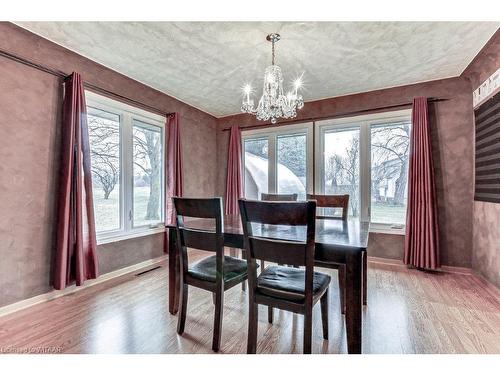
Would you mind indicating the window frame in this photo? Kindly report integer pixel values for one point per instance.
(127, 115)
(364, 123)
(272, 134)
(329, 126)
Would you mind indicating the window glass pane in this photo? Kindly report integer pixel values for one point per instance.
(341, 165)
(256, 167)
(147, 171)
(292, 164)
(390, 148)
(104, 136)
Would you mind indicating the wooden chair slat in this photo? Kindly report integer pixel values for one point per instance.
(278, 197)
(281, 252)
(198, 239)
(198, 207)
(277, 213)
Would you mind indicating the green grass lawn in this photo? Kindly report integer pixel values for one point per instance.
(385, 213)
(107, 211)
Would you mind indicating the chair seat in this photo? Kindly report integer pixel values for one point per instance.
(205, 268)
(288, 283)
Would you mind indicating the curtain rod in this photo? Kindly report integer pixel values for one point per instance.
(344, 114)
(88, 85)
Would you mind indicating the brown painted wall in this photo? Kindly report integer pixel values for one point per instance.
(452, 150)
(136, 250)
(390, 246)
(485, 63)
(30, 107)
(486, 215)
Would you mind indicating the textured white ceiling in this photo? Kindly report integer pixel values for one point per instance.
(205, 64)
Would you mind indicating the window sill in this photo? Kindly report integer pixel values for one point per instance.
(387, 229)
(141, 232)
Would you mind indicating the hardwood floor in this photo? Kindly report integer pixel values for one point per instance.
(408, 312)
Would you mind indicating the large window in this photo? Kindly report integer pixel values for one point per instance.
(278, 160)
(367, 158)
(363, 156)
(127, 156)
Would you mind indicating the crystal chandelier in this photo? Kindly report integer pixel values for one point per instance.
(273, 104)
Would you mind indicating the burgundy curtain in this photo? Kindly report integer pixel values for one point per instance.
(421, 242)
(173, 169)
(173, 164)
(76, 256)
(234, 179)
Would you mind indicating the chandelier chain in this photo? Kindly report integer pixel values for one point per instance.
(273, 53)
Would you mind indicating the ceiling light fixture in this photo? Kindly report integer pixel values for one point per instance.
(273, 104)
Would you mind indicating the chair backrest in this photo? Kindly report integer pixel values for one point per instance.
(332, 201)
(264, 223)
(205, 233)
(269, 233)
(278, 197)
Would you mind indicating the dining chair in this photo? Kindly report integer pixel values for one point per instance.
(339, 201)
(286, 288)
(216, 273)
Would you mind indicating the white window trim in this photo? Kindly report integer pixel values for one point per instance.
(120, 236)
(387, 228)
(127, 114)
(272, 134)
(363, 122)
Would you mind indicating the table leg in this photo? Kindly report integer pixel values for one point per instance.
(353, 315)
(173, 273)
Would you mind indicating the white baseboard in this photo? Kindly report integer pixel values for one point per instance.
(9, 309)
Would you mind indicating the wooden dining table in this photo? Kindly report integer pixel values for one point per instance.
(338, 242)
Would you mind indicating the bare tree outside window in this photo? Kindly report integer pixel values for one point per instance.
(342, 166)
(104, 138)
(258, 147)
(147, 151)
(390, 148)
(291, 151)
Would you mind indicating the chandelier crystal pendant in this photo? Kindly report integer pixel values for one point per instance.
(273, 104)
